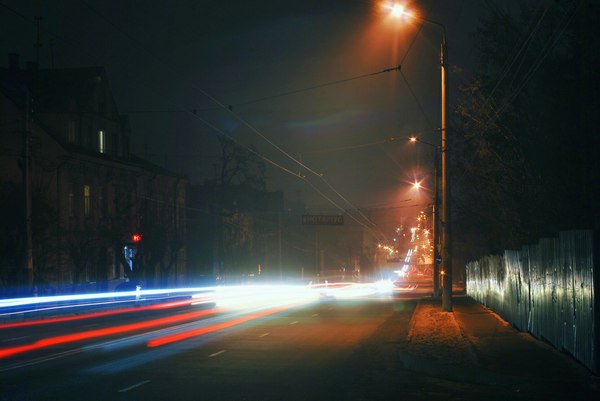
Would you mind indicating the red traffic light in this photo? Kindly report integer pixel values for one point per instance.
(136, 237)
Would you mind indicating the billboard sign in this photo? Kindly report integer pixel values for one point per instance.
(322, 220)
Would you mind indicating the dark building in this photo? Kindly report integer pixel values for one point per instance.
(235, 232)
(65, 157)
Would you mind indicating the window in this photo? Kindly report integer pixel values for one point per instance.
(101, 141)
(87, 201)
(71, 131)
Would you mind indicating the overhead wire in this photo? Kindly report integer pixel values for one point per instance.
(368, 144)
(207, 123)
(491, 114)
(314, 87)
(536, 64)
(243, 121)
(564, 23)
(417, 101)
(230, 108)
(518, 50)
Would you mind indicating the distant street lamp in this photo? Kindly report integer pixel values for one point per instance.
(435, 233)
(399, 11)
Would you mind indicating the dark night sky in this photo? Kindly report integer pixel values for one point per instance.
(163, 57)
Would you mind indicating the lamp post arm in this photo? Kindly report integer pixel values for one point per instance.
(443, 53)
(414, 139)
(438, 24)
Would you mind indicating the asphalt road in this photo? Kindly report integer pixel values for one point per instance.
(328, 350)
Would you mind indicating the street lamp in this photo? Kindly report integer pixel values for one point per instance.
(399, 11)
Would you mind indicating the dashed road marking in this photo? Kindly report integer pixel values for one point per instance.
(123, 390)
(14, 339)
(216, 353)
(40, 360)
(294, 322)
(264, 335)
(315, 315)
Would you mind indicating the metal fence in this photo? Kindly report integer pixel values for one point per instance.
(546, 289)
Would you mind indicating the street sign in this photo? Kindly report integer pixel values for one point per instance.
(322, 220)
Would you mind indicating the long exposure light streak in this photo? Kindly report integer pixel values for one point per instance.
(93, 315)
(13, 302)
(258, 301)
(215, 327)
(85, 335)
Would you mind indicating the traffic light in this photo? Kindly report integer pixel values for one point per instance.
(130, 250)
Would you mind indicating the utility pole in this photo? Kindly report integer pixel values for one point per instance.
(399, 11)
(435, 227)
(27, 188)
(446, 239)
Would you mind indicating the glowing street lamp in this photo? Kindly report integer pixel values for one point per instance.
(400, 12)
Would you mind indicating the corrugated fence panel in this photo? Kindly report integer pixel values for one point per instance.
(552, 330)
(546, 289)
(537, 276)
(578, 255)
(519, 291)
(568, 259)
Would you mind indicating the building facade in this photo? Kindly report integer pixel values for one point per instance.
(74, 195)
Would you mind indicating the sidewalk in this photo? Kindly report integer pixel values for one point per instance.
(475, 345)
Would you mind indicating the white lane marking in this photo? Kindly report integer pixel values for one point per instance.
(294, 322)
(14, 339)
(264, 335)
(123, 390)
(40, 360)
(315, 315)
(216, 353)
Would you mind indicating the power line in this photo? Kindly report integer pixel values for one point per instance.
(309, 88)
(550, 44)
(239, 118)
(368, 144)
(417, 100)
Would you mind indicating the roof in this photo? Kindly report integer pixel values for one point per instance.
(55, 90)
(67, 90)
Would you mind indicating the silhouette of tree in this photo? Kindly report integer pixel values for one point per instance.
(526, 144)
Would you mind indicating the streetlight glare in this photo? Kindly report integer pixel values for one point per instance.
(397, 10)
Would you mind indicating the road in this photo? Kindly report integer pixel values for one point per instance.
(323, 350)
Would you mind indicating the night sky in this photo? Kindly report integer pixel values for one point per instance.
(175, 68)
